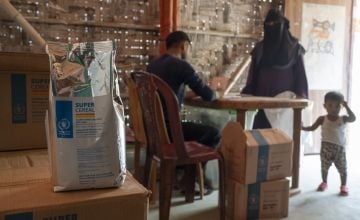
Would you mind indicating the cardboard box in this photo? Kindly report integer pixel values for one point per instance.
(24, 88)
(257, 201)
(23, 167)
(256, 155)
(26, 193)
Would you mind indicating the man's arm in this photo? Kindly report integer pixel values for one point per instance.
(351, 116)
(190, 94)
(195, 83)
(317, 123)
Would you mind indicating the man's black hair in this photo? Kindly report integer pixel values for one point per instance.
(175, 38)
(333, 96)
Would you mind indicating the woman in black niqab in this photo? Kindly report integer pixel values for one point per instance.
(279, 45)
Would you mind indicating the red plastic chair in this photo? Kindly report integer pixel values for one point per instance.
(175, 151)
(136, 122)
(137, 125)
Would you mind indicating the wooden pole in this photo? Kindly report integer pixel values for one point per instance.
(176, 12)
(169, 20)
(166, 22)
(16, 16)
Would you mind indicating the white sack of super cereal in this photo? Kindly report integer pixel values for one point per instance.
(86, 129)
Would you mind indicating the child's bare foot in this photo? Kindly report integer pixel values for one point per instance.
(322, 187)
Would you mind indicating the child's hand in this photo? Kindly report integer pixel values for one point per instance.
(351, 116)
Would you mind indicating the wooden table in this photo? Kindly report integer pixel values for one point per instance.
(242, 104)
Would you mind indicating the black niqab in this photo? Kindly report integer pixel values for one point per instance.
(279, 45)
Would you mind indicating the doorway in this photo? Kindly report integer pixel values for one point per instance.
(355, 82)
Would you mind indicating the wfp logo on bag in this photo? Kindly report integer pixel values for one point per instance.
(64, 119)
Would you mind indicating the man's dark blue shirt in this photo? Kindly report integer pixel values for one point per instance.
(177, 73)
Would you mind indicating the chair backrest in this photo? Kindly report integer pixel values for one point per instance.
(150, 88)
(135, 112)
(136, 115)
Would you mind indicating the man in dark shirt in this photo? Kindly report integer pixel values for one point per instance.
(177, 73)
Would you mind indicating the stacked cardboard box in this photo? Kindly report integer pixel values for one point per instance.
(24, 89)
(26, 193)
(257, 162)
(269, 199)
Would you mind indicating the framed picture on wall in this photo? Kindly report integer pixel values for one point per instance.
(323, 34)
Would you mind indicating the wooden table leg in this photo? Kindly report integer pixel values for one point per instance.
(296, 153)
(240, 117)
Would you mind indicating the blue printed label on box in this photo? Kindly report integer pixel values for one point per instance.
(20, 216)
(64, 119)
(263, 156)
(253, 201)
(18, 98)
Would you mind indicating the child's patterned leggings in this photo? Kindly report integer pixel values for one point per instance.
(333, 153)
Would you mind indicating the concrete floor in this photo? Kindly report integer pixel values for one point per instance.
(309, 204)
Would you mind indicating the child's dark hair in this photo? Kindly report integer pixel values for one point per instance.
(175, 38)
(334, 96)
